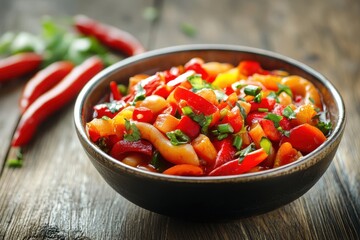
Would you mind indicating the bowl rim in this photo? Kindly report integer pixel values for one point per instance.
(308, 160)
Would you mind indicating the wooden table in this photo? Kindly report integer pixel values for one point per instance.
(58, 194)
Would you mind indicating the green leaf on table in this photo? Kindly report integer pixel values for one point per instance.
(26, 42)
(5, 42)
(150, 14)
(188, 29)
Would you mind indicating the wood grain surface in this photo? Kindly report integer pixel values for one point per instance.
(58, 194)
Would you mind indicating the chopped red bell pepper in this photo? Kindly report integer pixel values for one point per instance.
(234, 118)
(189, 127)
(102, 110)
(270, 130)
(284, 123)
(305, 138)
(249, 68)
(255, 117)
(124, 146)
(143, 114)
(265, 103)
(162, 90)
(171, 74)
(225, 153)
(108, 110)
(197, 102)
(171, 109)
(115, 93)
(152, 83)
(195, 65)
(233, 167)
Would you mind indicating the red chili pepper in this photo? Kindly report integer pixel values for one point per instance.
(115, 93)
(249, 68)
(54, 99)
(197, 102)
(305, 138)
(124, 146)
(111, 36)
(233, 167)
(43, 81)
(226, 153)
(189, 127)
(143, 114)
(19, 65)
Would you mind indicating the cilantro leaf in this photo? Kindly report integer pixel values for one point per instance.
(289, 113)
(325, 127)
(274, 118)
(132, 132)
(198, 83)
(177, 137)
(242, 153)
(284, 88)
(140, 93)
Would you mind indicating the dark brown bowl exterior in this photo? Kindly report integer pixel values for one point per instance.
(204, 197)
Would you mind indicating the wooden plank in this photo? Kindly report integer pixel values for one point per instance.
(58, 193)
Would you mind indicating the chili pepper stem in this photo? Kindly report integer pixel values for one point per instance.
(14, 157)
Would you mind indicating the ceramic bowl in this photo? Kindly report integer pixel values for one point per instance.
(209, 197)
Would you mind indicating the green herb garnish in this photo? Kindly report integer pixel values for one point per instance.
(325, 127)
(177, 137)
(140, 93)
(274, 118)
(289, 113)
(284, 88)
(245, 151)
(198, 83)
(132, 132)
